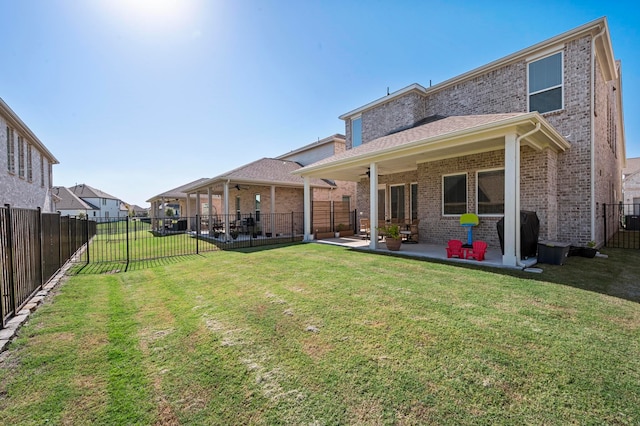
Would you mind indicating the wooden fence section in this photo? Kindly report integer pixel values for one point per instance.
(33, 247)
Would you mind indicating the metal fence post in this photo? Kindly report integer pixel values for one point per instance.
(292, 229)
(197, 233)
(86, 234)
(10, 271)
(604, 218)
(40, 248)
(127, 242)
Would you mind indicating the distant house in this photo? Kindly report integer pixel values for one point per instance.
(137, 211)
(267, 186)
(539, 130)
(26, 171)
(176, 199)
(69, 204)
(105, 207)
(631, 186)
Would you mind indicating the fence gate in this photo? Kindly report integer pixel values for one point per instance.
(622, 225)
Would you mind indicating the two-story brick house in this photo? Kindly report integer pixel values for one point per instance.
(27, 168)
(539, 130)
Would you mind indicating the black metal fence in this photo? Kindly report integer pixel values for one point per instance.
(121, 242)
(33, 247)
(622, 225)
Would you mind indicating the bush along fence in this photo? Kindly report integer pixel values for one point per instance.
(622, 225)
(33, 247)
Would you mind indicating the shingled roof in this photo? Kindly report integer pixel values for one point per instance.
(430, 130)
(178, 192)
(68, 200)
(86, 191)
(266, 171)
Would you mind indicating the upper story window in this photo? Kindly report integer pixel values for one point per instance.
(29, 163)
(42, 171)
(356, 131)
(454, 194)
(20, 156)
(490, 192)
(545, 84)
(11, 156)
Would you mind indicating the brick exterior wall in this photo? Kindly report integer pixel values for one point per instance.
(18, 190)
(556, 186)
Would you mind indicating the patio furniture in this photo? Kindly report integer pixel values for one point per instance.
(454, 249)
(469, 220)
(478, 250)
(410, 233)
(365, 228)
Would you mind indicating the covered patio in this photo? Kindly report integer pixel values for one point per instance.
(427, 146)
(493, 256)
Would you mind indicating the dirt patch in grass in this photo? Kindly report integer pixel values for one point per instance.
(316, 348)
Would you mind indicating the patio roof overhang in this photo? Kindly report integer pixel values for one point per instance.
(217, 185)
(403, 151)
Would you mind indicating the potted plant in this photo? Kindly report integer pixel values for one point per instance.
(234, 233)
(590, 250)
(392, 237)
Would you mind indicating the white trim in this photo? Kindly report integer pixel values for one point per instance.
(547, 89)
(477, 192)
(466, 193)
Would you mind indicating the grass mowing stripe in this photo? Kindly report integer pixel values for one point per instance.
(128, 387)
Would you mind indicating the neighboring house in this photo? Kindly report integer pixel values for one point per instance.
(69, 204)
(267, 186)
(539, 130)
(137, 211)
(26, 175)
(176, 199)
(105, 207)
(631, 186)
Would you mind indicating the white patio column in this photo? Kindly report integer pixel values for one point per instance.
(273, 210)
(307, 209)
(373, 208)
(210, 201)
(187, 210)
(511, 200)
(225, 208)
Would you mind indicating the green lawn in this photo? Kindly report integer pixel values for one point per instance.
(318, 334)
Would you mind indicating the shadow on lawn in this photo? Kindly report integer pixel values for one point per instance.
(617, 275)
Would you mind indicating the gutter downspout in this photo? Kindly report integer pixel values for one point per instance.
(518, 248)
(593, 133)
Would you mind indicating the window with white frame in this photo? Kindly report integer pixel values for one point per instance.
(356, 131)
(454, 194)
(257, 207)
(397, 203)
(545, 83)
(41, 171)
(29, 163)
(11, 156)
(20, 156)
(490, 192)
(238, 213)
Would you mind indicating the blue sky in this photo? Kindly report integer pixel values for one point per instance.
(135, 97)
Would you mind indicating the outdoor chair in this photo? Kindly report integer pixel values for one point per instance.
(454, 248)
(365, 228)
(479, 248)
